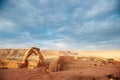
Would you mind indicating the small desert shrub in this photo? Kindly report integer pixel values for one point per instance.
(109, 62)
(111, 76)
(95, 64)
(117, 78)
(92, 78)
(104, 62)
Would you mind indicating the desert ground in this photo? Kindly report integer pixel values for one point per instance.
(62, 65)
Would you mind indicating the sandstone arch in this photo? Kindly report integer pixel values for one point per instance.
(37, 52)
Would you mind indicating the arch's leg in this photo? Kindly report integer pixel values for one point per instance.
(40, 60)
(27, 54)
(24, 63)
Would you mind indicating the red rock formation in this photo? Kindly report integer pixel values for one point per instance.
(37, 52)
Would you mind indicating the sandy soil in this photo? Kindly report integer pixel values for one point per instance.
(75, 70)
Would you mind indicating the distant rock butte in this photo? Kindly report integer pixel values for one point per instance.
(18, 53)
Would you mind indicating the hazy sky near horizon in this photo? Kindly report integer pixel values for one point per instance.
(60, 24)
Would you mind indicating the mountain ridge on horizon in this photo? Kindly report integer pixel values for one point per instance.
(57, 53)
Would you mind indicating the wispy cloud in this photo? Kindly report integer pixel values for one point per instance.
(5, 24)
(102, 7)
(60, 24)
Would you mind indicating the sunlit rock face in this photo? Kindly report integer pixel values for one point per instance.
(48, 54)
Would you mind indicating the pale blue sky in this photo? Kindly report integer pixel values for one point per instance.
(60, 24)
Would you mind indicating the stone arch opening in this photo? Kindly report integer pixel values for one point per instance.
(27, 54)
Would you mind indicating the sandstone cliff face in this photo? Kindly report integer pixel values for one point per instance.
(12, 52)
(19, 53)
(50, 54)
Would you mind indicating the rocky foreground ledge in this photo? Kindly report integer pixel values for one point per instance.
(80, 68)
